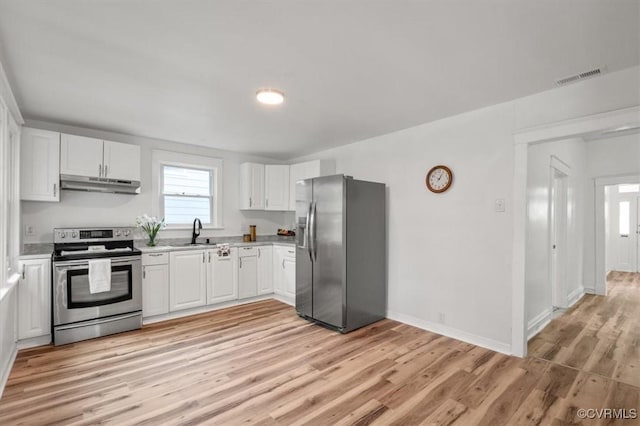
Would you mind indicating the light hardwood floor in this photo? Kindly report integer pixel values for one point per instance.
(261, 364)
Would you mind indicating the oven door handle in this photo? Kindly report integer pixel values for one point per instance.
(85, 262)
(97, 321)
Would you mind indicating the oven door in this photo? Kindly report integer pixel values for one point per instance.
(73, 302)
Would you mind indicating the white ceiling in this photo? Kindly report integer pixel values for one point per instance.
(187, 70)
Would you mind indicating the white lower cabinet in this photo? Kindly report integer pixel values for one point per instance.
(289, 276)
(34, 298)
(155, 284)
(222, 279)
(265, 269)
(247, 272)
(188, 279)
(284, 271)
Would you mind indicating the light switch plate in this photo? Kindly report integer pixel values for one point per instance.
(29, 230)
(499, 205)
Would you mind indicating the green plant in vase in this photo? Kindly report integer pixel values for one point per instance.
(151, 225)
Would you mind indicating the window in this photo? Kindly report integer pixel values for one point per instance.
(187, 194)
(185, 187)
(627, 188)
(625, 219)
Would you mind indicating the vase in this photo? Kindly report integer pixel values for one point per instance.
(152, 241)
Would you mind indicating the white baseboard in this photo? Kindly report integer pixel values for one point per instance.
(207, 308)
(589, 290)
(575, 295)
(537, 323)
(4, 375)
(284, 299)
(454, 333)
(34, 341)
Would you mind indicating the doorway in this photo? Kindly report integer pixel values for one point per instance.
(558, 236)
(622, 219)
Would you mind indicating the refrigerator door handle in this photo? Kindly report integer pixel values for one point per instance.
(308, 231)
(313, 227)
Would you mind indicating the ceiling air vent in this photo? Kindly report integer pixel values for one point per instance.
(582, 76)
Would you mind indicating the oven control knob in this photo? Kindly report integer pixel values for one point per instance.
(127, 233)
(63, 235)
(117, 233)
(74, 234)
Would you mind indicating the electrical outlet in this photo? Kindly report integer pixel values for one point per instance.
(499, 205)
(29, 230)
(441, 317)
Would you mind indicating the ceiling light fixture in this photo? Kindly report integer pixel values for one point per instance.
(270, 96)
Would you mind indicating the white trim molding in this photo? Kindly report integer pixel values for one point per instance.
(575, 296)
(599, 184)
(538, 323)
(7, 94)
(577, 127)
(451, 332)
(610, 120)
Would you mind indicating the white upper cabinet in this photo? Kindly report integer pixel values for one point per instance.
(276, 187)
(90, 157)
(39, 165)
(307, 170)
(81, 156)
(121, 161)
(251, 186)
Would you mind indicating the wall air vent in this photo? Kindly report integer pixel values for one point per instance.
(582, 76)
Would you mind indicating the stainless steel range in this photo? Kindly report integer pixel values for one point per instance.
(81, 309)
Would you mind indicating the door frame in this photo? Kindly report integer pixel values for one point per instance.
(558, 227)
(601, 267)
(606, 121)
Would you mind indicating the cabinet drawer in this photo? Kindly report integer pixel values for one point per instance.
(155, 258)
(247, 251)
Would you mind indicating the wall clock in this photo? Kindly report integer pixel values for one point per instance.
(439, 179)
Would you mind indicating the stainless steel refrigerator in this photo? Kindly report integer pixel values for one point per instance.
(341, 261)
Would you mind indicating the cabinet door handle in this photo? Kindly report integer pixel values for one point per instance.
(202, 257)
(23, 268)
(249, 201)
(240, 261)
(266, 201)
(105, 170)
(258, 253)
(55, 189)
(144, 272)
(156, 254)
(209, 257)
(99, 170)
(282, 263)
(291, 251)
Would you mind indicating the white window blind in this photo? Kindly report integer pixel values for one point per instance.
(187, 193)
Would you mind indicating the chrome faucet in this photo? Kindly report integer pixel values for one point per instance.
(193, 233)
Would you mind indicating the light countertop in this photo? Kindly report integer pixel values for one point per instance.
(44, 250)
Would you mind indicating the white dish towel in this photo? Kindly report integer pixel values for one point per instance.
(99, 275)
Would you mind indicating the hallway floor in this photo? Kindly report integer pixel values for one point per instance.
(599, 334)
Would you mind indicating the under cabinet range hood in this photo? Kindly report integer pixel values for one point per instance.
(94, 184)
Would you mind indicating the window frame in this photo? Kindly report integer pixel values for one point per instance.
(160, 159)
(211, 196)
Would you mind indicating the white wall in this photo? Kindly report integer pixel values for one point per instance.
(605, 157)
(96, 209)
(538, 290)
(451, 253)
